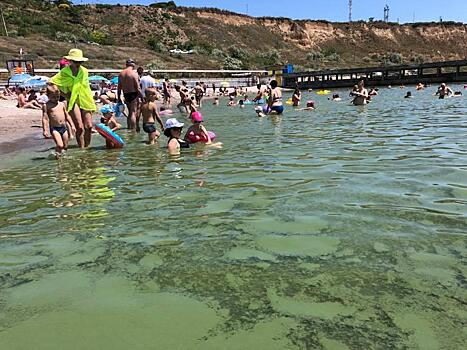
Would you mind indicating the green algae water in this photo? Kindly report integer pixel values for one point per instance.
(341, 228)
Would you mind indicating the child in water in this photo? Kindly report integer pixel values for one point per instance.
(150, 115)
(197, 132)
(108, 119)
(54, 119)
(310, 106)
(173, 130)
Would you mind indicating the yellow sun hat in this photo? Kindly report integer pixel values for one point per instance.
(76, 55)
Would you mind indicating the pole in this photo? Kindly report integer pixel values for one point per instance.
(4, 23)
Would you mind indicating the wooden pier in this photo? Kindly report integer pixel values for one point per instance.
(436, 72)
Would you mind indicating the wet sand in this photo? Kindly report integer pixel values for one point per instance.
(20, 129)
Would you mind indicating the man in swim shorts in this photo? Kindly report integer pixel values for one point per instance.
(444, 91)
(128, 83)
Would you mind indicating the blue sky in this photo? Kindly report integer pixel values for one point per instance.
(331, 10)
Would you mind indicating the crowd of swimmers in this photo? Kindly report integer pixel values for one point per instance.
(68, 104)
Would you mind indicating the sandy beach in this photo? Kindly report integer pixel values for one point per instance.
(19, 128)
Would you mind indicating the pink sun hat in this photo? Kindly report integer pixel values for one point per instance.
(197, 116)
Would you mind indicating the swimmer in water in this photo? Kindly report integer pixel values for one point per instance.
(108, 119)
(173, 130)
(259, 111)
(310, 106)
(197, 133)
(335, 97)
(216, 101)
(409, 95)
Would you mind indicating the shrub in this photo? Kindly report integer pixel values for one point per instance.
(218, 53)
(315, 56)
(156, 64)
(100, 37)
(237, 52)
(170, 5)
(393, 58)
(156, 45)
(335, 57)
(232, 63)
(417, 59)
(65, 37)
(271, 57)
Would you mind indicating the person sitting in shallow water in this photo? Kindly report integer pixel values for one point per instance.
(173, 130)
(310, 106)
(335, 97)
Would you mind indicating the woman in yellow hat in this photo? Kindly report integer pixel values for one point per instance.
(73, 81)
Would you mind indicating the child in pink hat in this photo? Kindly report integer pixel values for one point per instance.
(197, 132)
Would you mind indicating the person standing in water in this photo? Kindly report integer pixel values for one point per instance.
(73, 82)
(444, 91)
(128, 83)
(361, 95)
(166, 92)
(296, 97)
(275, 99)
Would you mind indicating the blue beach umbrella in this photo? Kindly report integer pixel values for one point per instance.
(114, 80)
(97, 78)
(37, 81)
(19, 78)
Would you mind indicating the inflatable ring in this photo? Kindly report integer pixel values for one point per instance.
(109, 135)
(196, 138)
(323, 92)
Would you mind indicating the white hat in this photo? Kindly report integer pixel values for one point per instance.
(173, 123)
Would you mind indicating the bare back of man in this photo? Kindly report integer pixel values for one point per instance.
(128, 83)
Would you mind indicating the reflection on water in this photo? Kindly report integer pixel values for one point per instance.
(341, 228)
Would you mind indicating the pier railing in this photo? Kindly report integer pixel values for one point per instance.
(435, 72)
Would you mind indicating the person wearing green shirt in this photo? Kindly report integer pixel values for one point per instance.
(73, 82)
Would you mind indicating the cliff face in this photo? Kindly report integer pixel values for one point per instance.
(220, 39)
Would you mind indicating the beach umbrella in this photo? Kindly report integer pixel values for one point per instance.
(36, 81)
(225, 84)
(114, 80)
(97, 78)
(19, 78)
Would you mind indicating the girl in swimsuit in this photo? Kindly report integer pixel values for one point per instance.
(197, 132)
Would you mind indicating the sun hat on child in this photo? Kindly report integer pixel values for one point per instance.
(170, 124)
(75, 55)
(106, 109)
(173, 123)
(197, 116)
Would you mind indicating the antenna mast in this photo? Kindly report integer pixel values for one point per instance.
(350, 10)
(386, 13)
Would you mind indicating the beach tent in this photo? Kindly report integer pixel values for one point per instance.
(97, 78)
(36, 81)
(114, 80)
(19, 78)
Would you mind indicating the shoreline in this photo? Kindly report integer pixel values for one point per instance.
(20, 129)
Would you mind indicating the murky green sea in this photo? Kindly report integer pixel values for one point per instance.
(342, 228)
